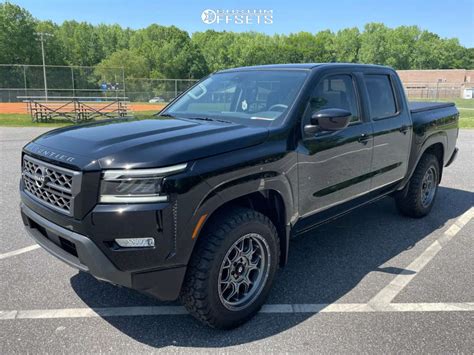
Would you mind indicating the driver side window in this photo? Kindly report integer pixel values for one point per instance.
(335, 91)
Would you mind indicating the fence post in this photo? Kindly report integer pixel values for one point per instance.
(72, 80)
(24, 79)
(123, 80)
(175, 88)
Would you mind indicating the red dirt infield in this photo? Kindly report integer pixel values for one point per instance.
(20, 107)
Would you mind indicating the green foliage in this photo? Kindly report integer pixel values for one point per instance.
(80, 42)
(347, 45)
(17, 36)
(168, 52)
(134, 64)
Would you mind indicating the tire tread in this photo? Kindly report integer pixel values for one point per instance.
(194, 293)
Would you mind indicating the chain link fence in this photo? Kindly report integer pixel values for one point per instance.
(17, 81)
(433, 91)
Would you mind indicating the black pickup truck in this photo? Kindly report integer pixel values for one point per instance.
(200, 202)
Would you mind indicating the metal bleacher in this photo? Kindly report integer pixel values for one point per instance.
(75, 109)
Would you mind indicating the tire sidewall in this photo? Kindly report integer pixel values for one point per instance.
(430, 162)
(226, 315)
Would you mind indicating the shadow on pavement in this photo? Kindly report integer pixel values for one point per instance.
(325, 264)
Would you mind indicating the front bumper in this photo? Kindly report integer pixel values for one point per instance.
(83, 254)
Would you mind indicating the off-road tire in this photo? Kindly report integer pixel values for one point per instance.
(409, 200)
(200, 292)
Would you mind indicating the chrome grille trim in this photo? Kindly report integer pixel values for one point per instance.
(51, 185)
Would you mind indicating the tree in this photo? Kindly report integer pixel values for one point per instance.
(324, 41)
(452, 54)
(80, 42)
(134, 65)
(426, 51)
(169, 52)
(214, 47)
(347, 45)
(303, 47)
(401, 42)
(53, 48)
(112, 38)
(252, 48)
(469, 58)
(17, 36)
(374, 44)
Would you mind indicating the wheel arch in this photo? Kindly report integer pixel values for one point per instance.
(435, 144)
(270, 202)
(437, 149)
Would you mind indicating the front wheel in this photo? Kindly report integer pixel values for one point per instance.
(419, 196)
(232, 269)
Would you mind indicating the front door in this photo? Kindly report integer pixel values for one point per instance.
(334, 167)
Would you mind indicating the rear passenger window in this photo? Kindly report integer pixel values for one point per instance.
(336, 91)
(381, 96)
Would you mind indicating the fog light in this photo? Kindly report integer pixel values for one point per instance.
(135, 242)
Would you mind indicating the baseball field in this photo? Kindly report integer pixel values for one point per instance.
(15, 114)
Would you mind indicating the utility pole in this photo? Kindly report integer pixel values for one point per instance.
(42, 36)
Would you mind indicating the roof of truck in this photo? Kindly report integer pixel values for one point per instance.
(300, 66)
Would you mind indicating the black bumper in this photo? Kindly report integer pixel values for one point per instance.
(82, 253)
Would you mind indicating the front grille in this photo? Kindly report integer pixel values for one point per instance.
(50, 184)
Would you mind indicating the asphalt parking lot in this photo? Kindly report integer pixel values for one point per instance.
(371, 281)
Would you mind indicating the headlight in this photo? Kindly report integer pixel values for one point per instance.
(135, 185)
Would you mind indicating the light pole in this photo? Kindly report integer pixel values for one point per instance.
(42, 36)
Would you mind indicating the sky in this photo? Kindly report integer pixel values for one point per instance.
(446, 18)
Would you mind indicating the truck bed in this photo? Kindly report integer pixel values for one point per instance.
(420, 106)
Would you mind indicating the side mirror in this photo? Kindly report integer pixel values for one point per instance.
(330, 119)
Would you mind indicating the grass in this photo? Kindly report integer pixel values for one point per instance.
(24, 120)
(460, 103)
(466, 118)
(465, 107)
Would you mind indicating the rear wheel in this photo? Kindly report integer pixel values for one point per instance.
(417, 199)
(232, 269)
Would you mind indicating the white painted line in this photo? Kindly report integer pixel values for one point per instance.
(431, 307)
(267, 309)
(99, 312)
(19, 251)
(389, 292)
(277, 308)
(8, 315)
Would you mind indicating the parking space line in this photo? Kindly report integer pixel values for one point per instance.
(19, 251)
(389, 292)
(267, 309)
(380, 303)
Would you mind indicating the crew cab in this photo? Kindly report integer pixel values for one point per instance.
(199, 203)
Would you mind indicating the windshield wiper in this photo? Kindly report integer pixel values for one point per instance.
(207, 119)
(165, 115)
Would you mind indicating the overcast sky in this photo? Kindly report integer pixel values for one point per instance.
(446, 18)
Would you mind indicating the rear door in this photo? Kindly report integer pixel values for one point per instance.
(334, 167)
(392, 128)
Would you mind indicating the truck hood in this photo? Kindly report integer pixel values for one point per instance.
(130, 143)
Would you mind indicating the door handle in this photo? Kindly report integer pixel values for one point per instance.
(364, 138)
(404, 129)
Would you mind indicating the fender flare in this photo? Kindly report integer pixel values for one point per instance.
(436, 138)
(226, 192)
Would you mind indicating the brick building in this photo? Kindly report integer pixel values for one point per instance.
(437, 83)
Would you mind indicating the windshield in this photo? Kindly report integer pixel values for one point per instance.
(259, 97)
